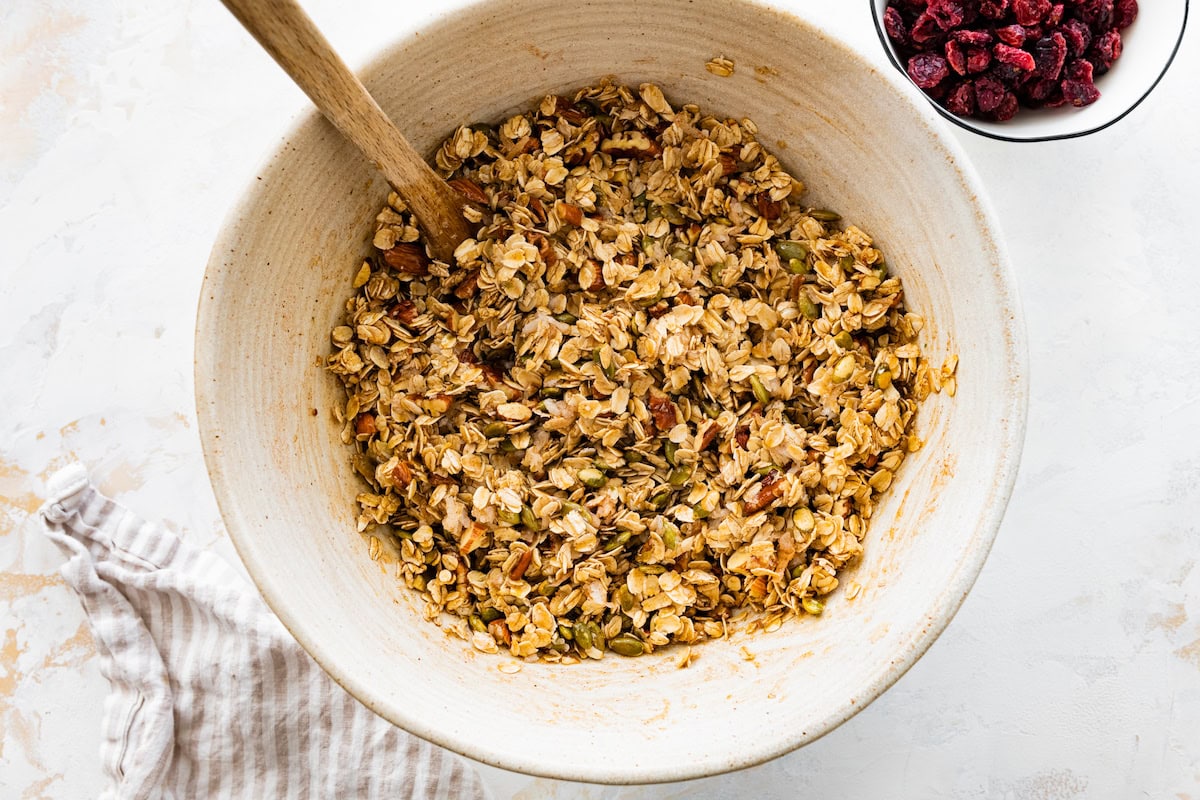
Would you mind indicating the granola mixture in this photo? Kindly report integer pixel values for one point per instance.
(655, 393)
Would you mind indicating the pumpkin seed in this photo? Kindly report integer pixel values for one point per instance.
(825, 215)
(627, 645)
(618, 541)
(812, 605)
(592, 478)
(791, 251)
(760, 392)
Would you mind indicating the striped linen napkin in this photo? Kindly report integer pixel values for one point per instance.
(211, 697)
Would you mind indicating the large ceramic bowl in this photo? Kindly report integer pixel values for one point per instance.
(280, 273)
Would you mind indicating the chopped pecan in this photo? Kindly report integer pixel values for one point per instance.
(685, 299)
(872, 460)
(570, 214)
(442, 480)
(407, 259)
(709, 436)
(402, 474)
(658, 309)
(468, 287)
(526, 144)
(742, 436)
(631, 144)
(522, 564)
(627, 259)
(545, 249)
(470, 190)
(728, 164)
(471, 539)
(364, 425)
(598, 280)
(663, 410)
(404, 310)
(767, 208)
(539, 210)
(564, 108)
(499, 632)
(768, 492)
(467, 356)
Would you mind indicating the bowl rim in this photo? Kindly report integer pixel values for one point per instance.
(938, 616)
(967, 124)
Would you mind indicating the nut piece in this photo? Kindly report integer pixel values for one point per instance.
(663, 410)
(720, 66)
(470, 190)
(768, 492)
(631, 144)
(407, 259)
(570, 214)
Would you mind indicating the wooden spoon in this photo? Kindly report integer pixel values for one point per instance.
(289, 35)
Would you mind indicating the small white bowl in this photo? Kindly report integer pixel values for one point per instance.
(277, 282)
(1150, 44)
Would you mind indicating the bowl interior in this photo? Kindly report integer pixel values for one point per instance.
(1150, 44)
(280, 274)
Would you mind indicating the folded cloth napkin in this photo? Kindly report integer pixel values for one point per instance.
(211, 697)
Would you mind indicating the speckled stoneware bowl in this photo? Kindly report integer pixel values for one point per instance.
(279, 275)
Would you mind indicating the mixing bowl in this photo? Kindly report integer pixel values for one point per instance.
(279, 275)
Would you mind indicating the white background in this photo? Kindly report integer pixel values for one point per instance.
(127, 129)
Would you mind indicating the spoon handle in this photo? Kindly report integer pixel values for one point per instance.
(289, 35)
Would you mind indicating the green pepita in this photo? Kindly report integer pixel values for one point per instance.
(566, 318)
(844, 340)
(825, 215)
(844, 368)
(618, 541)
(679, 476)
(493, 429)
(669, 451)
(760, 392)
(477, 624)
(490, 615)
(509, 517)
(627, 645)
(883, 379)
(592, 478)
(808, 309)
(529, 519)
(812, 605)
(791, 251)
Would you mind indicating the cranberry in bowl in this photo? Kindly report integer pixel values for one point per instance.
(1032, 70)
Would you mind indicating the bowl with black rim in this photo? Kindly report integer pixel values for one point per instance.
(1149, 46)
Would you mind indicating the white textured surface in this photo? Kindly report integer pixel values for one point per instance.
(1073, 669)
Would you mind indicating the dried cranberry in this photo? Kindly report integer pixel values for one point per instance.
(1078, 36)
(1125, 12)
(893, 23)
(1030, 12)
(1098, 14)
(926, 30)
(961, 100)
(1007, 108)
(989, 94)
(1107, 48)
(993, 9)
(947, 13)
(955, 57)
(1078, 88)
(1050, 54)
(927, 70)
(1056, 14)
(974, 38)
(1014, 57)
(1079, 70)
(1039, 91)
(978, 59)
(1013, 35)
